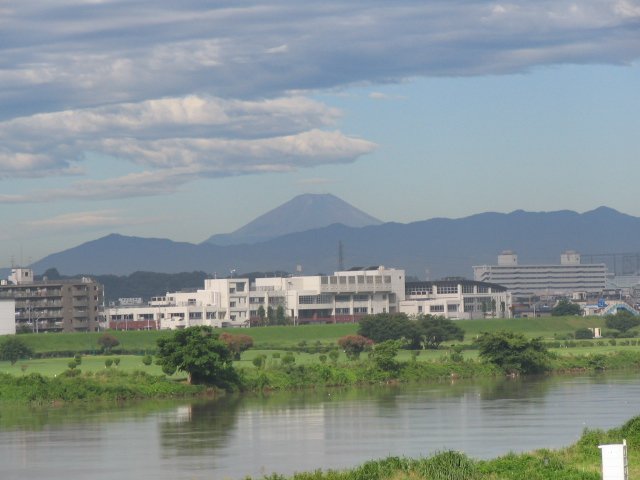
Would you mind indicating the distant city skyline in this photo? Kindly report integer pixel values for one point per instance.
(181, 121)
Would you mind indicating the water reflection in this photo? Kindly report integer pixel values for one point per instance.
(249, 435)
(198, 428)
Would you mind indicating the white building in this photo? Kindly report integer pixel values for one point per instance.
(553, 279)
(7, 317)
(457, 299)
(342, 297)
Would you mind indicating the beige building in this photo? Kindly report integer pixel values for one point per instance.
(53, 305)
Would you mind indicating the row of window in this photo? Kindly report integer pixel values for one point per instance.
(356, 279)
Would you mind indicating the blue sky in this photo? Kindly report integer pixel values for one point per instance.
(184, 119)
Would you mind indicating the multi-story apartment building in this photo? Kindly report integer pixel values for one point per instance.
(342, 297)
(70, 305)
(524, 280)
(457, 299)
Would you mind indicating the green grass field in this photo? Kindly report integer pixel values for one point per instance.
(283, 337)
(270, 340)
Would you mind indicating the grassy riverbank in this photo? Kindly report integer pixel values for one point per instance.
(106, 385)
(287, 337)
(581, 461)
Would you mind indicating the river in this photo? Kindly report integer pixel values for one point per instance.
(237, 436)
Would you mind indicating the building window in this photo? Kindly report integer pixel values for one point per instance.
(313, 299)
(333, 280)
(342, 311)
(467, 288)
(387, 279)
(352, 280)
(482, 289)
(361, 298)
(357, 310)
(343, 298)
(436, 308)
(452, 308)
(343, 280)
(447, 289)
(420, 309)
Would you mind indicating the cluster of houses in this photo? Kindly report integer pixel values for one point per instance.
(504, 290)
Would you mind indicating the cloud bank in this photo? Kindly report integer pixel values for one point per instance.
(186, 90)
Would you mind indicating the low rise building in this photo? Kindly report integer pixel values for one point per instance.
(69, 305)
(344, 296)
(457, 299)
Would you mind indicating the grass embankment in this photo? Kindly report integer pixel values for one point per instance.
(581, 461)
(105, 385)
(278, 338)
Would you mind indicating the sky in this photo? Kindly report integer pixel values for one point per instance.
(186, 119)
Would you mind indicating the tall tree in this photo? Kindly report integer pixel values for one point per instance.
(13, 349)
(513, 352)
(199, 353)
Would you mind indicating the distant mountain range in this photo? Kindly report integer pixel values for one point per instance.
(302, 213)
(433, 248)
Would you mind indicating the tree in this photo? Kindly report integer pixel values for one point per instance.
(385, 326)
(565, 307)
(622, 321)
(107, 342)
(583, 334)
(262, 315)
(271, 317)
(354, 345)
(280, 316)
(199, 353)
(13, 349)
(383, 355)
(436, 329)
(236, 343)
(513, 352)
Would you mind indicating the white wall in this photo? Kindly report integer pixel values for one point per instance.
(7, 317)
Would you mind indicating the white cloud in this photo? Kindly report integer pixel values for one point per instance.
(194, 89)
(82, 220)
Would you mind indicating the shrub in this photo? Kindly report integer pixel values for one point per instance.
(107, 342)
(354, 345)
(334, 355)
(259, 361)
(13, 349)
(116, 361)
(108, 362)
(77, 358)
(513, 352)
(583, 333)
(288, 359)
(147, 360)
(236, 343)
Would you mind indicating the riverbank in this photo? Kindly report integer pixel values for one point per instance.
(109, 385)
(580, 461)
(114, 384)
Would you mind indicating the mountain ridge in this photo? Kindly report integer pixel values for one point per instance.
(433, 248)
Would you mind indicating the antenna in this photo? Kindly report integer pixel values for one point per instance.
(340, 256)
